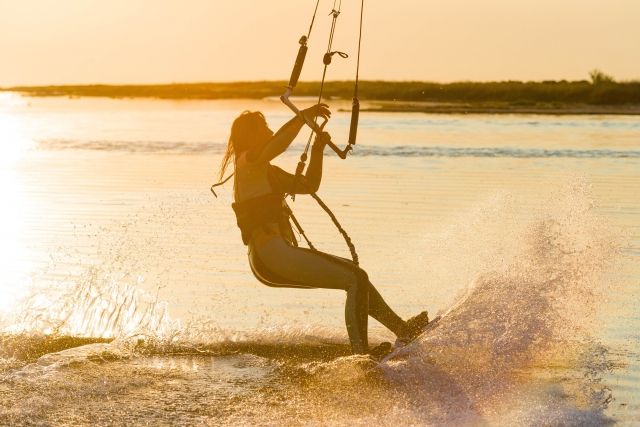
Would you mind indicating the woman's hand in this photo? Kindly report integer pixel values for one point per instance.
(321, 139)
(318, 110)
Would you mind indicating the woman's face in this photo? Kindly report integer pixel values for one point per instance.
(250, 131)
(263, 134)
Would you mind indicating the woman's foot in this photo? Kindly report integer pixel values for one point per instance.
(413, 328)
(381, 350)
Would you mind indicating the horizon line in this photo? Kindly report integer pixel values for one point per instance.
(586, 79)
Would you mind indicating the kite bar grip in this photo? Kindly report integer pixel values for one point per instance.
(341, 153)
(355, 116)
(313, 125)
(297, 66)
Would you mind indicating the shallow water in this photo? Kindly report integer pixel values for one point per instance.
(523, 230)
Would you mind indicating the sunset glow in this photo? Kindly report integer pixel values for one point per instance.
(145, 41)
(13, 147)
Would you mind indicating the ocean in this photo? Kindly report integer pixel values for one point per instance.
(126, 296)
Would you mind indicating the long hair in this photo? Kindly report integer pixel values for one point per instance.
(242, 136)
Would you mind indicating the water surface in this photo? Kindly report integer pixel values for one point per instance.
(525, 229)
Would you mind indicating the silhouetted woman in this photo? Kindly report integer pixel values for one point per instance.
(274, 256)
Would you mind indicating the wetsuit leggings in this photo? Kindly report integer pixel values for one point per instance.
(279, 264)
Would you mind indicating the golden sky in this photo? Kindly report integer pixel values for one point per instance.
(159, 41)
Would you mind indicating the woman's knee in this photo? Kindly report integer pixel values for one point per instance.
(353, 278)
(362, 277)
(359, 283)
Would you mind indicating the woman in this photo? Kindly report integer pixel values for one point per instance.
(274, 256)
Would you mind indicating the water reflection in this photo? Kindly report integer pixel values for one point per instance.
(14, 145)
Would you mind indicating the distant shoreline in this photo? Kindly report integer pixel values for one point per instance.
(509, 97)
(504, 108)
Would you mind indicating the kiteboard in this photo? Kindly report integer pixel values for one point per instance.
(386, 351)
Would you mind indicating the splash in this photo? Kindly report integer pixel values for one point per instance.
(93, 311)
(99, 307)
(532, 310)
(517, 347)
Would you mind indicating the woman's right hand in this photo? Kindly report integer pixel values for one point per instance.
(319, 110)
(322, 139)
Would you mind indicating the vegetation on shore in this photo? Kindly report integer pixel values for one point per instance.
(599, 90)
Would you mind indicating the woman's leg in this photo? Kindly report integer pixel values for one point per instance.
(356, 316)
(276, 263)
(301, 267)
(379, 310)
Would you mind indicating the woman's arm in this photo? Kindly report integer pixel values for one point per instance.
(281, 140)
(314, 171)
(309, 182)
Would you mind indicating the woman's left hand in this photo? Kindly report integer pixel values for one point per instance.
(319, 110)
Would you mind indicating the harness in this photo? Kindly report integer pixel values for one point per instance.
(254, 213)
(258, 211)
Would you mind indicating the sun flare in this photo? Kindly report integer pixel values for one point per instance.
(14, 145)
